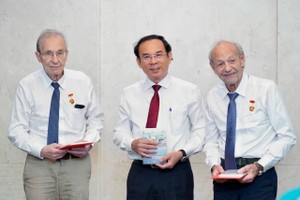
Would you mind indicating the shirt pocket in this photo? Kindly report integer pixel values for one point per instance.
(76, 118)
(178, 120)
(255, 120)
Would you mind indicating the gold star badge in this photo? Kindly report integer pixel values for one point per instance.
(251, 108)
(71, 100)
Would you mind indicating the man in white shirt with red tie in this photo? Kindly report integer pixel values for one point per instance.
(262, 135)
(181, 116)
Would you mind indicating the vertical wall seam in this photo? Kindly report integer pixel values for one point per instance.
(277, 39)
(100, 96)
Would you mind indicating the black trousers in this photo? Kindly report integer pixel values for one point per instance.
(263, 187)
(147, 183)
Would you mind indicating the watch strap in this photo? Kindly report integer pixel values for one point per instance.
(184, 156)
(260, 168)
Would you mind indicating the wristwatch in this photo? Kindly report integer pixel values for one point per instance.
(184, 156)
(260, 168)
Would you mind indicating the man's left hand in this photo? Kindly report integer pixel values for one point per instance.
(171, 160)
(80, 151)
(251, 171)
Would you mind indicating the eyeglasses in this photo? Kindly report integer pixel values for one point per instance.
(220, 64)
(148, 57)
(59, 54)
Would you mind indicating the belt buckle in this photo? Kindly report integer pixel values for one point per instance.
(153, 166)
(239, 161)
(67, 156)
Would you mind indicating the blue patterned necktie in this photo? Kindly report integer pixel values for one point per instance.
(153, 108)
(230, 133)
(54, 115)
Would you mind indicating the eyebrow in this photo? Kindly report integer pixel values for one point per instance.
(55, 51)
(160, 51)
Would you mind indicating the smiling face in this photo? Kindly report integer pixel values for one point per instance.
(53, 55)
(154, 60)
(228, 64)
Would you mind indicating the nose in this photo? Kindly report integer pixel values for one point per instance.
(54, 58)
(153, 59)
(227, 66)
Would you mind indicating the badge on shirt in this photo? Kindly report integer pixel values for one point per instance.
(251, 108)
(71, 100)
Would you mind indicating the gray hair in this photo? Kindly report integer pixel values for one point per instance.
(46, 33)
(237, 45)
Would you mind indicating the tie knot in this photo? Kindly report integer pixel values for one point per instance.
(156, 87)
(233, 96)
(55, 85)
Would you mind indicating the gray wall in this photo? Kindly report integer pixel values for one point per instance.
(101, 35)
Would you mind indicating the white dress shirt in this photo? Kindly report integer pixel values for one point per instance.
(264, 132)
(28, 128)
(181, 115)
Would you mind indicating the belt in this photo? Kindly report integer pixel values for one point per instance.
(140, 162)
(244, 161)
(68, 156)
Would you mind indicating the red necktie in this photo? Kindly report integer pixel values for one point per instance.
(153, 109)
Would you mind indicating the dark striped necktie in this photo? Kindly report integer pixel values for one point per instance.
(54, 115)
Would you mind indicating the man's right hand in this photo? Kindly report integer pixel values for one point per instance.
(217, 169)
(52, 152)
(144, 147)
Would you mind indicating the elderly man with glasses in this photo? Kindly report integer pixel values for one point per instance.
(55, 106)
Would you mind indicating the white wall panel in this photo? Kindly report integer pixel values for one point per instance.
(101, 35)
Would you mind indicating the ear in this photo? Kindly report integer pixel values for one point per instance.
(38, 56)
(170, 57)
(243, 60)
(138, 61)
(212, 66)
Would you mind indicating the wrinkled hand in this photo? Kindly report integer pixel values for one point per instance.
(80, 152)
(217, 169)
(171, 160)
(52, 152)
(251, 171)
(144, 147)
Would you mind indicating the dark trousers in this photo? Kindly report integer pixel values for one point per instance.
(263, 187)
(147, 183)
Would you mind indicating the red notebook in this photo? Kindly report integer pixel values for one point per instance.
(75, 145)
(229, 174)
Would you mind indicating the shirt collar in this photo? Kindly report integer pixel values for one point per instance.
(48, 81)
(241, 89)
(163, 83)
